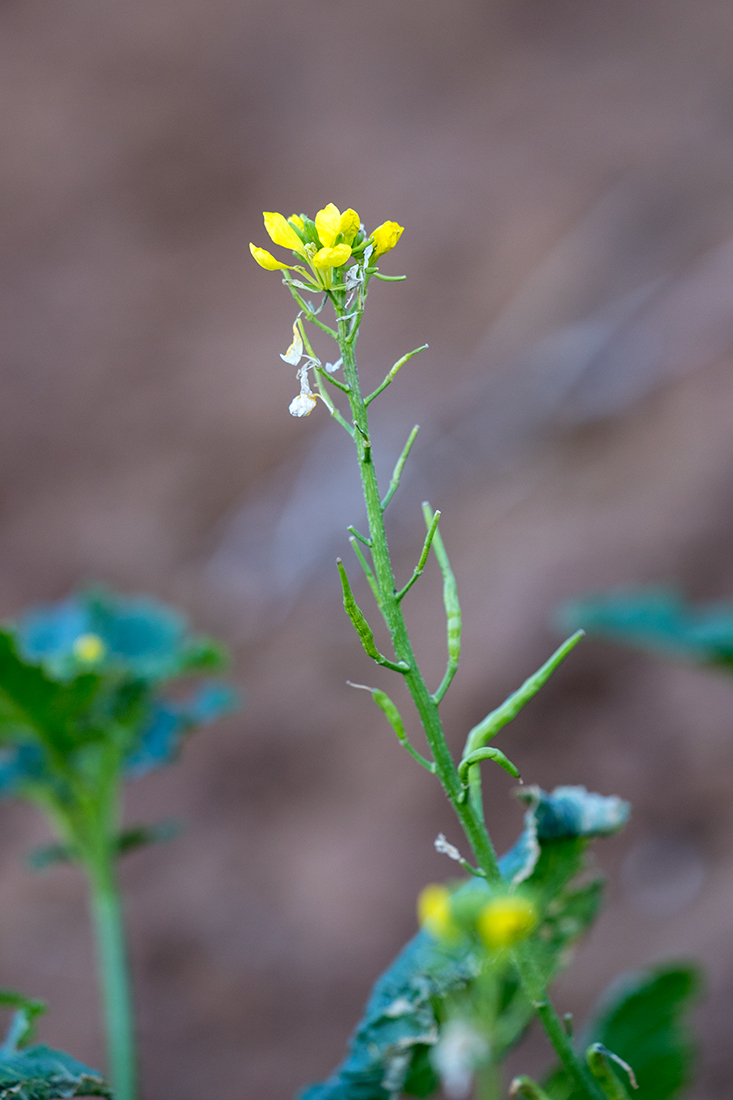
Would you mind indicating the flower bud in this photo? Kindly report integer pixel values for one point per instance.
(504, 921)
(89, 649)
(434, 913)
(385, 237)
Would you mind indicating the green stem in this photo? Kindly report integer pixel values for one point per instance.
(113, 975)
(489, 1084)
(389, 605)
(555, 1029)
(469, 810)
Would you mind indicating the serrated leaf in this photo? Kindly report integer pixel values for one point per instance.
(39, 1073)
(641, 1019)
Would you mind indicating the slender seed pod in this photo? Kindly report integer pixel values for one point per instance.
(362, 627)
(487, 754)
(355, 613)
(510, 708)
(524, 1088)
(599, 1060)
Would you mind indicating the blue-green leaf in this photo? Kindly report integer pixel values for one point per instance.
(169, 723)
(140, 636)
(657, 619)
(39, 1073)
(387, 1051)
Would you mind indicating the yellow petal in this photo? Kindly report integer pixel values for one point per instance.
(504, 921)
(349, 225)
(385, 237)
(295, 219)
(266, 259)
(328, 225)
(332, 257)
(282, 233)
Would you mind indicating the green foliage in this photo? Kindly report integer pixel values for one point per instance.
(84, 706)
(70, 726)
(389, 1051)
(641, 1019)
(657, 619)
(39, 1073)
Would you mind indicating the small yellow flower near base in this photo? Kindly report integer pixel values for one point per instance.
(89, 649)
(433, 912)
(505, 920)
(385, 237)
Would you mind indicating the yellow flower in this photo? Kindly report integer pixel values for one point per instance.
(505, 920)
(330, 222)
(266, 259)
(282, 233)
(89, 649)
(434, 913)
(385, 237)
(331, 257)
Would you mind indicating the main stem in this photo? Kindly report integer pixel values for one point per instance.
(468, 810)
(114, 980)
(426, 707)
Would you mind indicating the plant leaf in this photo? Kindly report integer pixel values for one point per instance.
(142, 638)
(658, 619)
(387, 1051)
(39, 1073)
(641, 1019)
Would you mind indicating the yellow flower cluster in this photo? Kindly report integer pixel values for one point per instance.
(500, 922)
(324, 244)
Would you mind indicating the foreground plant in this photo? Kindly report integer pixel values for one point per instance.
(466, 988)
(84, 706)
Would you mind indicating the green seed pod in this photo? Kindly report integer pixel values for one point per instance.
(487, 754)
(356, 615)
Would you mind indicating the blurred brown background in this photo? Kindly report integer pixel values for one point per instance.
(564, 169)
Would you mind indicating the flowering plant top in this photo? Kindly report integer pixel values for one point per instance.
(341, 259)
(326, 244)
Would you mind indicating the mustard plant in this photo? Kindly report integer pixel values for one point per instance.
(466, 988)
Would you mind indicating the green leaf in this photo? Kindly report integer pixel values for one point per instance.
(23, 1023)
(658, 620)
(402, 1016)
(39, 1073)
(140, 637)
(138, 836)
(641, 1019)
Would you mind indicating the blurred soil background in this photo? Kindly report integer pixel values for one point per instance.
(564, 169)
